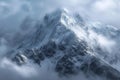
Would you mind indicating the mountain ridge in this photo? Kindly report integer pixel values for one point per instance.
(62, 39)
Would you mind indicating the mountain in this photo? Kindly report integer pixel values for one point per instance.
(71, 44)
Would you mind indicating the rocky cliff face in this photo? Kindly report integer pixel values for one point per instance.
(71, 44)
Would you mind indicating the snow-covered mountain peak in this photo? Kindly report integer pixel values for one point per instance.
(60, 16)
(70, 43)
(61, 11)
(63, 18)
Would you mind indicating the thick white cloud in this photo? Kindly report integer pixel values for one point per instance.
(10, 71)
(106, 11)
(103, 5)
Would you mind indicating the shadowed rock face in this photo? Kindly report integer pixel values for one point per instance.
(57, 40)
(72, 61)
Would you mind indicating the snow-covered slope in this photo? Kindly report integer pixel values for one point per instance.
(72, 45)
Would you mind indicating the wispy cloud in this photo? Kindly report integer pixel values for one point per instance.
(102, 10)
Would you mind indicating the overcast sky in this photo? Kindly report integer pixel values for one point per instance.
(12, 12)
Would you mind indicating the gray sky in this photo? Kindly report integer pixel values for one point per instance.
(12, 12)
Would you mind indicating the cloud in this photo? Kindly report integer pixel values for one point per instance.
(106, 44)
(3, 47)
(103, 5)
(25, 70)
(12, 7)
(10, 71)
(106, 11)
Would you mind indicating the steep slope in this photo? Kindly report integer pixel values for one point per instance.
(70, 44)
(105, 42)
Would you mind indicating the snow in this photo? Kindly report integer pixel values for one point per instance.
(63, 26)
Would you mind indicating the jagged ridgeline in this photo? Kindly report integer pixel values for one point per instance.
(64, 39)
